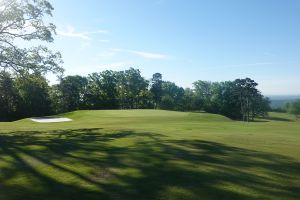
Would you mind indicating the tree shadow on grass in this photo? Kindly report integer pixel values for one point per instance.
(94, 164)
(275, 119)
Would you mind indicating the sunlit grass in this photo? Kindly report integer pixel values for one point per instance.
(148, 154)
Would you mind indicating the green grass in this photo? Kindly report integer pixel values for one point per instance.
(148, 154)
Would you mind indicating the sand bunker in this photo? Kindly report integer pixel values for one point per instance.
(49, 120)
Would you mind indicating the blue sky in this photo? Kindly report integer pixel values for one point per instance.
(185, 40)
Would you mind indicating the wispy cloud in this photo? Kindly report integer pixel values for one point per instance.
(257, 64)
(252, 64)
(105, 41)
(147, 55)
(114, 66)
(70, 32)
(249, 65)
(107, 54)
(84, 70)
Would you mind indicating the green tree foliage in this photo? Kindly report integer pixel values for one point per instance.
(23, 96)
(8, 97)
(105, 90)
(156, 88)
(237, 99)
(260, 106)
(203, 90)
(145, 99)
(33, 92)
(136, 85)
(56, 99)
(208, 92)
(131, 87)
(229, 104)
(173, 96)
(122, 87)
(102, 90)
(294, 108)
(246, 91)
(191, 102)
(72, 93)
(167, 102)
(22, 20)
(29, 95)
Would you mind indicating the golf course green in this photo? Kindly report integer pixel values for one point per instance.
(150, 154)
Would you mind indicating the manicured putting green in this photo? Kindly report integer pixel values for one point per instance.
(150, 154)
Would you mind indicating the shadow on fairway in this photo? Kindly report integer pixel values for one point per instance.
(157, 168)
(281, 119)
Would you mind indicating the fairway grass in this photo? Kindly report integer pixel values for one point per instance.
(149, 155)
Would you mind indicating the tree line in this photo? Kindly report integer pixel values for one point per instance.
(293, 108)
(29, 94)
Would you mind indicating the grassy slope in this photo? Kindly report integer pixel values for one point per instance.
(147, 154)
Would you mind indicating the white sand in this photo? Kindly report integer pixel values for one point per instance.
(49, 120)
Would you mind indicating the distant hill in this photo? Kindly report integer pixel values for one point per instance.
(278, 101)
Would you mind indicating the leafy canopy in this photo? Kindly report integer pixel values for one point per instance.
(22, 21)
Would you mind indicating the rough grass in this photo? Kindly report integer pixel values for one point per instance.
(148, 154)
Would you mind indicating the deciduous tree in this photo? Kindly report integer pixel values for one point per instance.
(294, 108)
(156, 88)
(22, 21)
